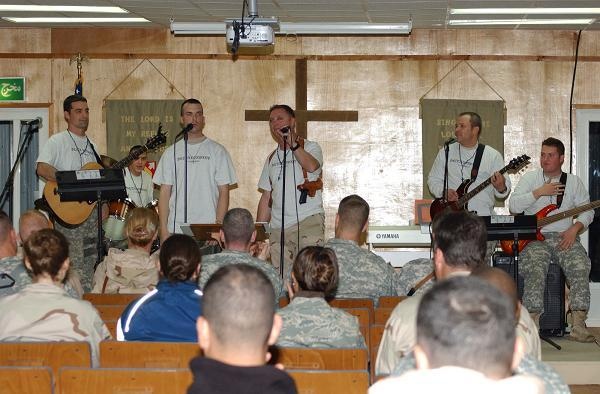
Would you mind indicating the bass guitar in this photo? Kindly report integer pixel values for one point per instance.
(440, 205)
(73, 213)
(544, 220)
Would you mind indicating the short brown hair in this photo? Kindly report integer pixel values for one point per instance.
(353, 212)
(46, 250)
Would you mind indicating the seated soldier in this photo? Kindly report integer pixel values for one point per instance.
(237, 326)
(362, 274)
(238, 235)
(308, 320)
(132, 270)
(169, 312)
(43, 311)
(466, 343)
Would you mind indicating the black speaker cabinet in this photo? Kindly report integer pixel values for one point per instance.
(552, 321)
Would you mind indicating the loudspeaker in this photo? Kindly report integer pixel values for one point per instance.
(552, 321)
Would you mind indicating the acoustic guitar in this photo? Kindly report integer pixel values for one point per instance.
(440, 205)
(73, 213)
(544, 220)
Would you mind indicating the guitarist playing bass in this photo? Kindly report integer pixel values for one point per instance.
(467, 159)
(66, 151)
(536, 190)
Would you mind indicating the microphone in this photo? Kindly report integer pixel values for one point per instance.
(450, 141)
(185, 130)
(285, 130)
(36, 121)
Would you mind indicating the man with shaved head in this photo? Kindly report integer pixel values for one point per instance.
(237, 326)
(31, 221)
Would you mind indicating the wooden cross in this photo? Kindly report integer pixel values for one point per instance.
(303, 115)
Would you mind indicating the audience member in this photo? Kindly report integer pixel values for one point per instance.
(309, 321)
(237, 326)
(362, 273)
(132, 270)
(414, 277)
(238, 234)
(169, 312)
(459, 246)
(466, 343)
(43, 311)
(16, 276)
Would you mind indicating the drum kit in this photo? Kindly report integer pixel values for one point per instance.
(114, 225)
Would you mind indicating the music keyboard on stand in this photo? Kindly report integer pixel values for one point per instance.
(405, 243)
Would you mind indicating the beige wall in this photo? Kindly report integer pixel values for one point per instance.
(378, 157)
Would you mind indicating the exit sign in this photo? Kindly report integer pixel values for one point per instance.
(12, 89)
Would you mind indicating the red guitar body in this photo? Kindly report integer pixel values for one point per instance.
(542, 213)
(440, 205)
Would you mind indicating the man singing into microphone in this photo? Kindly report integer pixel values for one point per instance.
(462, 160)
(304, 218)
(210, 172)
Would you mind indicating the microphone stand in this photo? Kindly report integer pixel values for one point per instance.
(282, 237)
(7, 191)
(185, 175)
(445, 191)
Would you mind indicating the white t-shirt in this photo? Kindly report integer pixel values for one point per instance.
(575, 195)
(460, 163)
(67, 151)
(209, 166)
(139, 188)
(271, 179)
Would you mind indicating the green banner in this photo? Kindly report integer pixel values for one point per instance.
(12, 89)
(133, 122)
(439, 117)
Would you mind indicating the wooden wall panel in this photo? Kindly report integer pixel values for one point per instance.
(378, 157)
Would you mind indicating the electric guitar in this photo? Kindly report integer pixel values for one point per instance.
(440, 205)
(544, 220)
(73, 213)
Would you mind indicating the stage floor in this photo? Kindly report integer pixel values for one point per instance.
(577, 363)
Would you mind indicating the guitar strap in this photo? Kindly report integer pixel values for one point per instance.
(563, 180)
(477, 161)
(98, 159)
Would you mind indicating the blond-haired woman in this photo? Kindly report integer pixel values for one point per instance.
(133, 270)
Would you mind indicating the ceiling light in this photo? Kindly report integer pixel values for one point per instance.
(61, 8)
(75, 20)
(193, 28)
(535, 11)
(477, 22)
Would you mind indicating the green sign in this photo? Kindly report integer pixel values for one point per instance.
(12, 89)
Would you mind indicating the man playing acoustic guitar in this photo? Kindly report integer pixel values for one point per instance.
(66, 151)
(536, 190)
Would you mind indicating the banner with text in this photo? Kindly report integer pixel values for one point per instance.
(439, 117)
(133, 122)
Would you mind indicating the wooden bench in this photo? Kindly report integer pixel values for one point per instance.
(364, 321)
(111, 299)
(376, 335)
(26, 380)
(390, 301)
(128, 380)
(346, 303)
(110, 312)
(45, 354)
(327, 382)
(114, 354)
(322, 359)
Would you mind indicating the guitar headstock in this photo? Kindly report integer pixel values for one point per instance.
(156, 141)
(518, 163)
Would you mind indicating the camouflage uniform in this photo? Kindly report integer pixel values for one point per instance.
(15, 267)
(553, 383)
(312, 232)
(82, 248)
(362, 274)
(535, 260)
(44, 312)
(311, 322)
(126, 271)
(412, 273)
(211, 263)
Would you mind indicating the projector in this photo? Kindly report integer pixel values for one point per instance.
(254, 35)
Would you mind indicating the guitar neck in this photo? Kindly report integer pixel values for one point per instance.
(568, 213)
(128, 159)
(467, 196)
